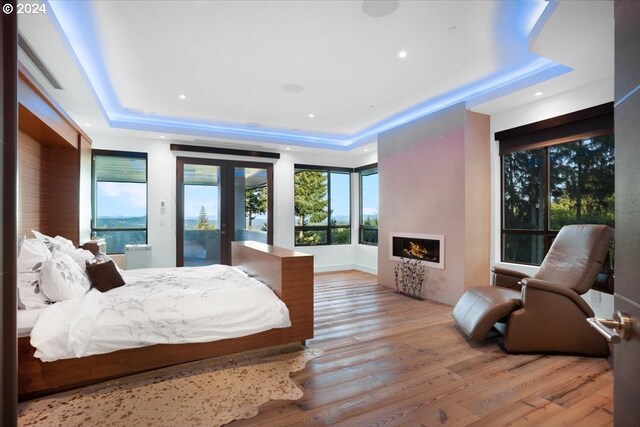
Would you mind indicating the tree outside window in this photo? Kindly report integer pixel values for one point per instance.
(322, 207)
(547, 188)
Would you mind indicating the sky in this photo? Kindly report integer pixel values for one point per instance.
(196, 196)
(121, 199)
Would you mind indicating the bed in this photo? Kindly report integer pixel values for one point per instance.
(288, 274)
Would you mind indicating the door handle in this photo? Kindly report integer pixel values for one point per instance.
(614, 330)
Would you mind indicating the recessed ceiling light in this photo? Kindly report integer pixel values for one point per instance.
(366, 149)
(88, 124)
(182, 96)
(162, 136)
(287, 148)
(402, 54)
(538, 93)
(311, 115)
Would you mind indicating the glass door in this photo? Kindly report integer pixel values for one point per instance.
(251, 204)
(199, 234)
(217, 202)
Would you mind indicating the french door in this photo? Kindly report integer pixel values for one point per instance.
(217, 202)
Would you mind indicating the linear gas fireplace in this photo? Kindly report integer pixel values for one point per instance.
(428, 248)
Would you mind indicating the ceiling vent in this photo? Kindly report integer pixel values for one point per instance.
(229, 144)
(35, 59)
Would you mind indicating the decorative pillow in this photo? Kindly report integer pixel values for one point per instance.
(80, 256)
(53, 243)
(102, 257)
(33, 255)
(104, 275)
(63, 279)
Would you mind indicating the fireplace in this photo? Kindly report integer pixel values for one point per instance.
(428, 248)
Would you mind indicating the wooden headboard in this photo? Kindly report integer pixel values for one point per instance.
(52, 152)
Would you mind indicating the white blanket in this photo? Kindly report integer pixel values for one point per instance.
(159, 306)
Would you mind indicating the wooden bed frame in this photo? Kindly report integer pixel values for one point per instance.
(288, 273)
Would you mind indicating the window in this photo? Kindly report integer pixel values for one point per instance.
(322, 200)
(119, 198)
(549, 184)
(368, 233)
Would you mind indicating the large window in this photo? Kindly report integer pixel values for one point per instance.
(119, 198)
(547, 185)
(322, 199)
(368, 233)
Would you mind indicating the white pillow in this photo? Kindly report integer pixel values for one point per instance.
(62, 278)
(53, 243)
(80, 256)
(33, 255)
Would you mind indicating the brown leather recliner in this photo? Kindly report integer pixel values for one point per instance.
(543, 313)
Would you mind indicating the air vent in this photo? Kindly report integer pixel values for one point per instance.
(228, 144)
(33, 56)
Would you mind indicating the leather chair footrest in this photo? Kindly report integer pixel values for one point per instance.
(480, 308)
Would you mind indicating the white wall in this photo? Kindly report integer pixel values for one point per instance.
(553, 106)
(161, 187)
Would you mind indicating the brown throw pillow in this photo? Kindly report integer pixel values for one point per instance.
(104, 276)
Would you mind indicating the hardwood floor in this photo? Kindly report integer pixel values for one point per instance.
(393, 361)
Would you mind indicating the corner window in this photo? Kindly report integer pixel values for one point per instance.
(547, 184)
(368, 233)
(322, 200)
(119, 191)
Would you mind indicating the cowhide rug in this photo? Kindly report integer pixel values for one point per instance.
(211, 392)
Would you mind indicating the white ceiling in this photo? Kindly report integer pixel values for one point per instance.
(231, 59)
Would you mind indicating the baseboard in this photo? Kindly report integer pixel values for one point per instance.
(342, 267)
(366, 269)
(335, 267)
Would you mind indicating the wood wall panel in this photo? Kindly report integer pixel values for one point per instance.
(50, 167)
(31, 177)
(63, 193)
(33, 100)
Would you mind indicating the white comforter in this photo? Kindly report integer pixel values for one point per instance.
(159, 306)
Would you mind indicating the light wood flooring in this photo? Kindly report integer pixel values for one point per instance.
(390, 360)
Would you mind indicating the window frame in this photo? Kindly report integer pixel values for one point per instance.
(328, 227)
(94, 203)
(584, 124)
(361, 227)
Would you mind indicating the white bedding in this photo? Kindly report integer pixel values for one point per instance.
(159, 306)
(26, 320)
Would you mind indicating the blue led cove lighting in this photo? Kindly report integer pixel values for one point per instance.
(76, 23)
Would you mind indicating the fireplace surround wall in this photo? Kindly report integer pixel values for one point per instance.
(434, 178)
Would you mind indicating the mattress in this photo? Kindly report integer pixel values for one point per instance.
(159, 306)
(26, 321)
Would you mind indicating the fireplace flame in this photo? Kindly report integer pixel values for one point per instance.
(415, 251)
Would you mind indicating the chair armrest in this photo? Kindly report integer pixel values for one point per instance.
(508, 272)
(506, 278)
(543, 285)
